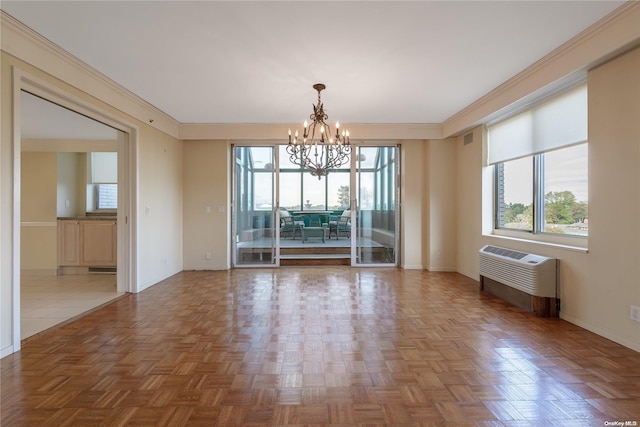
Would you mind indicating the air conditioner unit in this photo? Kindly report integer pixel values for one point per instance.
(531, 277)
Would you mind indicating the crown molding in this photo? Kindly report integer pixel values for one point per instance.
(279, 132)
(26, 45)
(617, 32)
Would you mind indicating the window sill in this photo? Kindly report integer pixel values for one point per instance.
(560, 242)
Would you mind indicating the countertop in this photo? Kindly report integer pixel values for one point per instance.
(89, 218)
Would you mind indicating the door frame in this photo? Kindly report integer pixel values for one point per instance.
(275, 205)
(353, 196)
(355, 199)
(127, 143)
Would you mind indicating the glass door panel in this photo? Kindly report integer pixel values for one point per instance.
(254, 228)
(375, 213)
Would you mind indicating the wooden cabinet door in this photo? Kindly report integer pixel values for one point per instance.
(68, 243)
(99, 243)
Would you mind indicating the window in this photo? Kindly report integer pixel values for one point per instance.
(541, 167)
(299, 190)
(107, 196)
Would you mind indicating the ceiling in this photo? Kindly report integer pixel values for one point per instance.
(41, 119)
(256, 62)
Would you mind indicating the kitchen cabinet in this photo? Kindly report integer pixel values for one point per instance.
(87, 243)
(98, 243)
(69, 243)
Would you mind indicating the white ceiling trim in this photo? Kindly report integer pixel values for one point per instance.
(278, 132)
(612, 35)
(609, 36)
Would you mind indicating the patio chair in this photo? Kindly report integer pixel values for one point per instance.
(291, 224)
(340, 224)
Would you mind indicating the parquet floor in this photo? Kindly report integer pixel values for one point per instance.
(315, 347)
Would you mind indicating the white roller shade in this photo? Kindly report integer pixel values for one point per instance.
(559, 122)
(104, 168)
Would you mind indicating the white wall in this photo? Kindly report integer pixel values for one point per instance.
(6, 209)
(598, 287)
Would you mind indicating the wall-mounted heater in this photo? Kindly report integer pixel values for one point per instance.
(523, 279)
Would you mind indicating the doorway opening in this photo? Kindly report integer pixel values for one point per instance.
(121, 229)
(282, 215)
(68, 225)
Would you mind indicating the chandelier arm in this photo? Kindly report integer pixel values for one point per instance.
(325, 152)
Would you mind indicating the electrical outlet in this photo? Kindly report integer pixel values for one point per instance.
(635, 313)
(207, 255)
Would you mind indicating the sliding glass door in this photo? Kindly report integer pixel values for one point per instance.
(254, 229)
(282, 215)
(375, 213)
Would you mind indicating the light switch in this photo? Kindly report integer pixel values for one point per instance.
(207, 209)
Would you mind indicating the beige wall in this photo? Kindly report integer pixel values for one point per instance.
(412, 187)
(598, 287)
(160, 210)
(613, 270)
(158, 241)
(206, 185)
(72, 183)
(38, 251)
(439, 235)
(38, 177)
(469, 203)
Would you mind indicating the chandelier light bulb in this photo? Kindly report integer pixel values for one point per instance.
(317, 154)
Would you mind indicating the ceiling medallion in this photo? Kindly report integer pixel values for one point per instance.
(320, 153)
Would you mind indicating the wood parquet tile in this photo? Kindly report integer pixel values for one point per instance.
(318, 347)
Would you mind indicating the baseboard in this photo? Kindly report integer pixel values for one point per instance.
(412, 267)
(6, 351)
(156, 280)
(442, 269)
(39, 272)
(72, 270)
(633, 345)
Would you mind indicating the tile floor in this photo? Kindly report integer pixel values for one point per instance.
(46, 301)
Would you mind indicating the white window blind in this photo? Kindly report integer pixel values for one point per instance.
(559, 122)
(104, 168)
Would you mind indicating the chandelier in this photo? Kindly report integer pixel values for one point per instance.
(319, 151)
